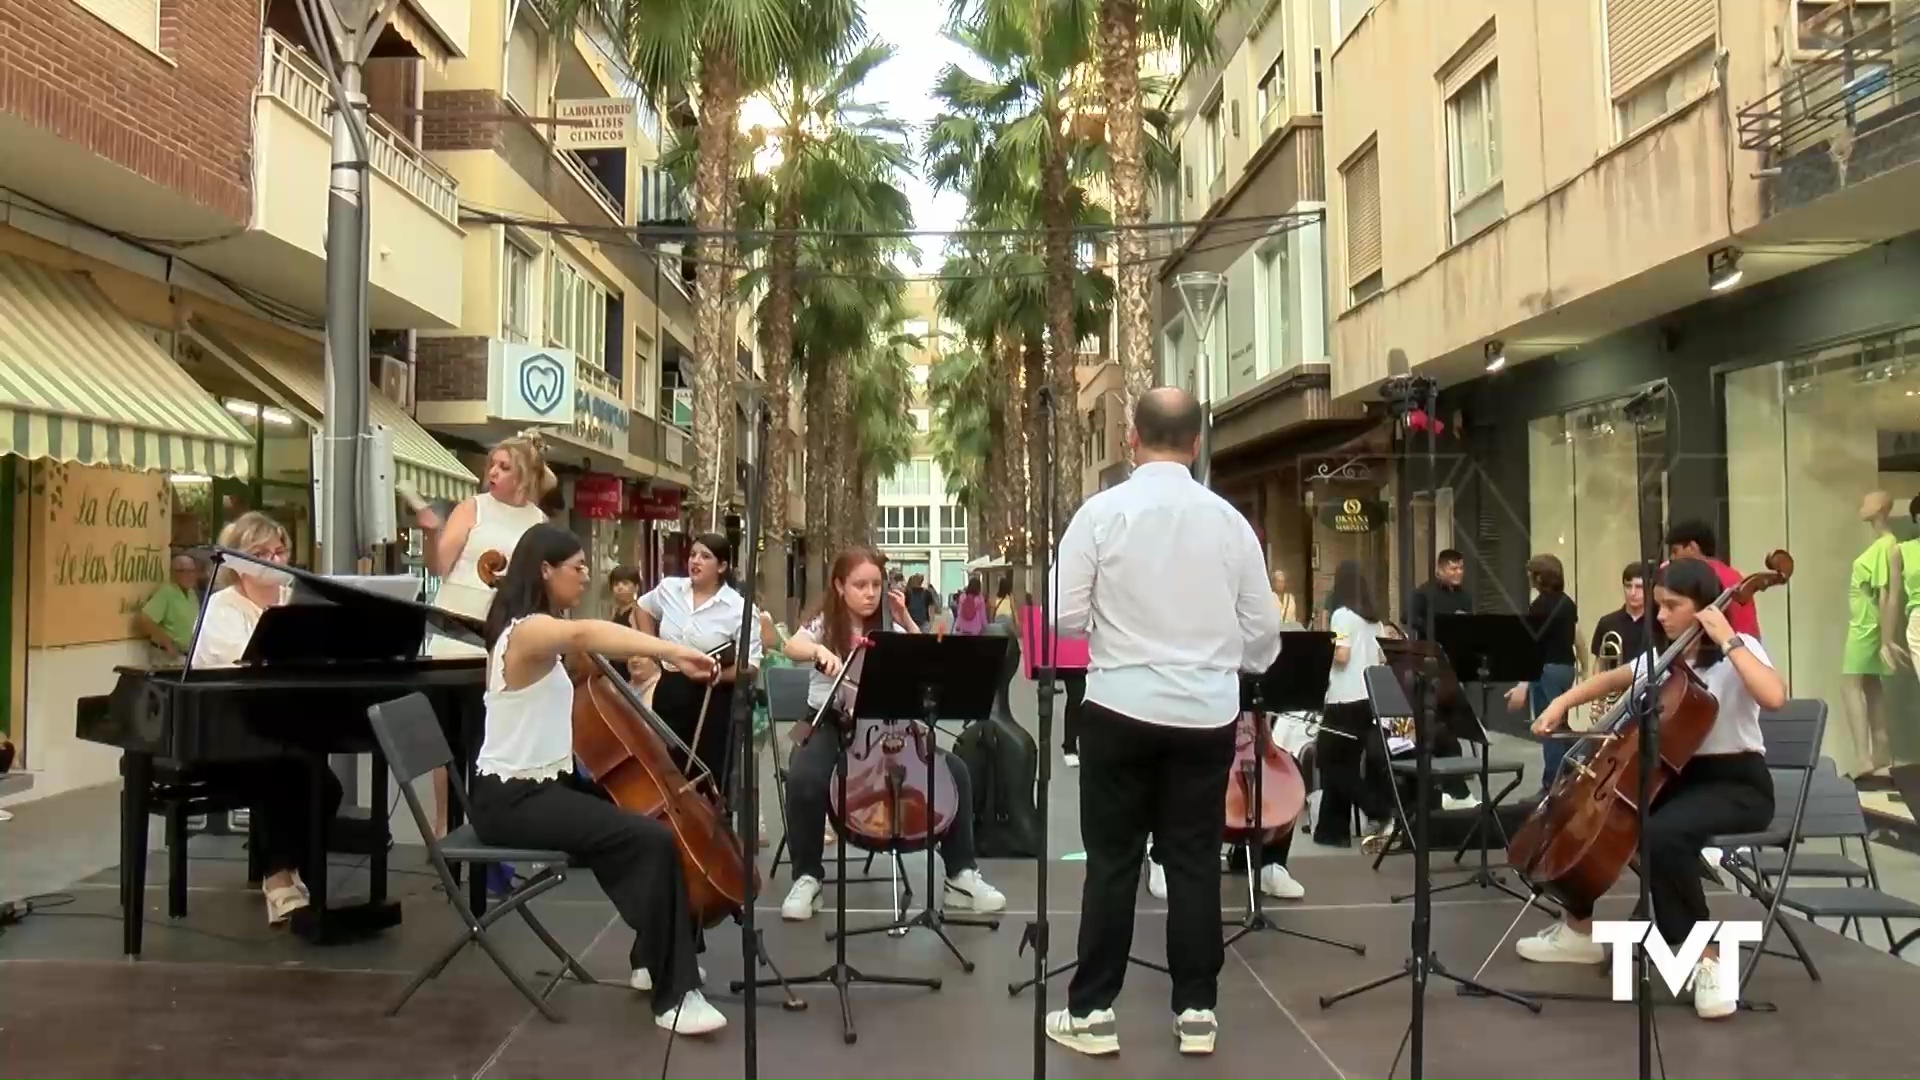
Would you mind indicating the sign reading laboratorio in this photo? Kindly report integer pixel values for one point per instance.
(528, 384)
(594, 123)
(100, 542)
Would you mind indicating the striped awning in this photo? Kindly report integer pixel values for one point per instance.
(421, 462)
(80, 382)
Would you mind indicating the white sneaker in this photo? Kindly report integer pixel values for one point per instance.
(1197, 1030)
(1095, 1033)
(642, 979)
(1072, 761)
(1713, 999)
(1277, 883)
(693, 1016)
(1156, 880)
(802, 900)
(969, 891)
(1560, 944)
(1464, 802)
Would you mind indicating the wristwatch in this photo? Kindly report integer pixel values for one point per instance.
(1737, 642)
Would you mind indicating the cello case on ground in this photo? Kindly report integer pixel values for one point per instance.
(1002, 761)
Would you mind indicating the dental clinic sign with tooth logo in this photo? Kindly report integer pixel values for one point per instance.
(531, 385)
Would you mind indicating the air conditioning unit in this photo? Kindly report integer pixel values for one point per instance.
(394, 376)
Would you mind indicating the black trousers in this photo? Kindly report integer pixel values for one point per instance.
(1139, 778)
(677, 699)
(633, 858)
(811, 774)
(1352, 770)
(279, 793)
(1713, 796)
(1076, 684)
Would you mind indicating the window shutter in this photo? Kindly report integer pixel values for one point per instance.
(138, 19)
(523, 66)
(1468, 63)
(1362, 178)
(1645, 36)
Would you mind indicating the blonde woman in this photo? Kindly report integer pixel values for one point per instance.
(276, 789)
(1289, 608)
(492, 520)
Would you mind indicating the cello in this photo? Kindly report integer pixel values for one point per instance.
(1283, 793)
(1583, 832)
(622, 746)
(890, 800)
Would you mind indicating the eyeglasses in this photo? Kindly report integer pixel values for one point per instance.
(278, 553)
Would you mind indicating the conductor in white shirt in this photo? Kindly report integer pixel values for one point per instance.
(1167, 582)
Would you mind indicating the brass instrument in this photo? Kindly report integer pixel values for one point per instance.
(1612, 652)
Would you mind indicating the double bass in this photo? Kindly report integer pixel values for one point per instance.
(622, 746)
(1584, 831)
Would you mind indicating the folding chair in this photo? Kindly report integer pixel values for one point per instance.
(1791, 789)
(787, 704)
(1793, 735)
(409, 735)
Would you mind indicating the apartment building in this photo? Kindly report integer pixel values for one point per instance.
(917, 524)
(553, 282)
(162, 278)
(1252, 181)
(1662, 258)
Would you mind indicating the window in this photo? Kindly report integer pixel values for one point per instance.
(914, 328)
(1318, 102)
(1360, 180)
(920, 373)
(516, 292)
(1215, 150)
(1663, 93)
(914, 480)
(1473, 154)
(576, 312)
(920, 420)
(1271, 98)
(523, 63)
(138, 19)
(953, 526)
(1647, 39)
(1276, 338)
(676, 394)
(1829, 24)
(905, 526)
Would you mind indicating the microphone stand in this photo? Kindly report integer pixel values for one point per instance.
(1642, 706)
(1044, 654)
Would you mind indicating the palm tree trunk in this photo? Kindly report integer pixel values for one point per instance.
(1034, 372)
(991, 516)
(1067, 448)
(1012, 464)
(819, 457)
(713, 328)
(1120, 76)
(779, 337)
(844, 454)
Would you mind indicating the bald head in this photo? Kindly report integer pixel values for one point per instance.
(1166, 424)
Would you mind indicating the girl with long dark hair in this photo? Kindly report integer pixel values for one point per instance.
(525, 791)
(702, 610)
(1724, 789)
(1555, 621)
(1347, 751)
(849, 610)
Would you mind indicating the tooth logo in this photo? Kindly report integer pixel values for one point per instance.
(543, 383)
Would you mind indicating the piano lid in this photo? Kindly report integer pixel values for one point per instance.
(312, 588)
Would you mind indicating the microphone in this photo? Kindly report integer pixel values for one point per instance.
(1640, 406)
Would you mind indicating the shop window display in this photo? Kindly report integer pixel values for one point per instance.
(1823, 459)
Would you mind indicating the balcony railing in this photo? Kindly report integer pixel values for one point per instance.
(593, 185)
(292, 77)
(597, 378)
(1866, 82)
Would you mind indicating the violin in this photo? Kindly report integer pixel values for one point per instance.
(892, 799)
(1283, 792)
(1583, 832)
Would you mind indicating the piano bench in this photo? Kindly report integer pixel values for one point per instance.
(177, 794)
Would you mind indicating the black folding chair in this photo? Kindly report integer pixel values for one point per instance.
(1793, 735)
(1833, 812)
(410, 736)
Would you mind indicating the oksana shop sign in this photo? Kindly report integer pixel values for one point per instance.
(1354, 515)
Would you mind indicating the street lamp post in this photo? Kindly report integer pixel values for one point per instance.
(1201, 292)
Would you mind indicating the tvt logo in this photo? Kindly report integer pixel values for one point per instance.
(543, 383)
(1675, 965)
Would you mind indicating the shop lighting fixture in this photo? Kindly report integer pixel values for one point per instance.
(1496, 356)
(189, 479)
(1723, 269)
(267, 414)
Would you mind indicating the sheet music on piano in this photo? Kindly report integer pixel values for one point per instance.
(350, 618)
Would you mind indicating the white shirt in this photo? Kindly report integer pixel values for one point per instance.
(1348, 682)
(1165, 580)
(225, 629)
(1737, 729)
(705, 626)
(529, 730)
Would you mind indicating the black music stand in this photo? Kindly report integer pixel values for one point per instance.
(1296, 682)
(1498, 649)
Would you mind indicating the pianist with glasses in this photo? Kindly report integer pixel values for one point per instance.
(527, 795)
(276, 789)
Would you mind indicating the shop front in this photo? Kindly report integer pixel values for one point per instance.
(99, 428)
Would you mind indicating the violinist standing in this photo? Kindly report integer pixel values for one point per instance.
(1167, 581)
(1724, 789)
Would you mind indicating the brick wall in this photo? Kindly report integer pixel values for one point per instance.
(448, 126)
(450, 369)
(186, 125)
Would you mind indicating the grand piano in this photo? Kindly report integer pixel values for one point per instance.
(312, 669)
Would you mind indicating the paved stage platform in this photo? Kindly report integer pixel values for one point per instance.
(220, 994)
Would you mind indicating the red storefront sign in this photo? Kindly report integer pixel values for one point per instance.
(596, 496)
(652, 504)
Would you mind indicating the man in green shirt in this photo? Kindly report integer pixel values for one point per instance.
(168, 616)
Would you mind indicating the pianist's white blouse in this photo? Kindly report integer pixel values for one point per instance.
(226, 626)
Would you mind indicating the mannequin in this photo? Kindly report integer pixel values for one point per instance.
(1872, 650)
(1903, 571)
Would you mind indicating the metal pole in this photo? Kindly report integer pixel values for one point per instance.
(346, 323)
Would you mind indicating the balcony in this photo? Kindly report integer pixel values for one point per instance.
(414, 209)
(1842, 135)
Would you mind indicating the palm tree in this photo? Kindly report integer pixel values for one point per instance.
(968, 402)
(704, 57)
(880, 400)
